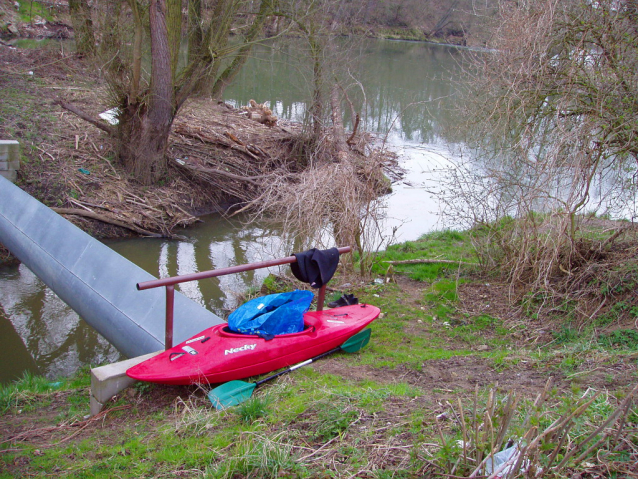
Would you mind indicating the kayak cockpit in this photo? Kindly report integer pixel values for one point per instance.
(226, 332)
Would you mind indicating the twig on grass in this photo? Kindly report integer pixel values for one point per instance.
(431, 261)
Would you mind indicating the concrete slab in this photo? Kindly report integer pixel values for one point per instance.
(10, 175)
(9, 159)
(108, 380)
(96, 406)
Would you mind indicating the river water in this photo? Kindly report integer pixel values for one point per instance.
(406, 84)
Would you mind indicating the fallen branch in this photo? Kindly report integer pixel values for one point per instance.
(31, 433)
(615, 236)
(105, 219)
(76, 111)
(431, 261)
(357, 118)
(216, 140)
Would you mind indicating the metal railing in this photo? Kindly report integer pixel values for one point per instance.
(169, 284)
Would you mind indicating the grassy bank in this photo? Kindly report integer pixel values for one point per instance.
(452, 372)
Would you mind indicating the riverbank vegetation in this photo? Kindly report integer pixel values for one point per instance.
(554, 142)
(452, 372)
(460, 22)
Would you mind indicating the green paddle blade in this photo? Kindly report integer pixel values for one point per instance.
(231, 394)
(356, 342)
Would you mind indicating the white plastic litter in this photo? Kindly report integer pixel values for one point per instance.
(110, 116)
(502, 463)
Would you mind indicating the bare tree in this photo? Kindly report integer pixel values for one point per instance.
(554, 120)
(147, 103)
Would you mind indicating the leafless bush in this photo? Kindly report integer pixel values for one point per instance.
(331, 202)
(591, 434)
(552, 136)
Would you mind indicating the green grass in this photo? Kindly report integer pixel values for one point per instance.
(401, 34)
(262, 439)
(626, 339)
(471, 330)
(618, 310)
(255, 408)
(27, 393)
(29, 10)
(264, 457)
(44, 43)
(23, 119)
(350, 417)
(332, 417)
(443, 290)
(567, 334)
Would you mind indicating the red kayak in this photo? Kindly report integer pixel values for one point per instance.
(218, 355)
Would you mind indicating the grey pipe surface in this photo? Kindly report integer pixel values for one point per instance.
(98, 283)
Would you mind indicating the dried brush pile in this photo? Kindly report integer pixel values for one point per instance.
(313, 191)
(590, 276)
(219, 160)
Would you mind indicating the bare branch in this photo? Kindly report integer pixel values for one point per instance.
(86, 117)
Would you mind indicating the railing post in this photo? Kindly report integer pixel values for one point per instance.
(170, 301)
(321, 298)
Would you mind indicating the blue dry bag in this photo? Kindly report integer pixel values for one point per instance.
(271, 315)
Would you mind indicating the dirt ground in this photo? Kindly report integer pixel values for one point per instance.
(523, 374)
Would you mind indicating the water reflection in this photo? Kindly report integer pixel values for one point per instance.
(407, 85)
(413, 208)
(44, 335)
(212, 244)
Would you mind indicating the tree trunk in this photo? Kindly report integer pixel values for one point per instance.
(144, 127)
(316, 109)
(149, 99)
(136, 64)
(143, 141)
(82, 27)
(110, 39)
(195, 34)
(338, 134)
(215, 42)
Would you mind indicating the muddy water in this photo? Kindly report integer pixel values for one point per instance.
(404, 84)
